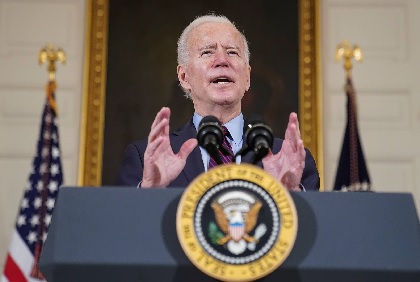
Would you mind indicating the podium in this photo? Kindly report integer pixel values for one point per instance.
(126, 234)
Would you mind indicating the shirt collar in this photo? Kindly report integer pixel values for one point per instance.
(235, 126)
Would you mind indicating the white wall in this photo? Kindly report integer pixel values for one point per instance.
(387, 86)
(25, 27)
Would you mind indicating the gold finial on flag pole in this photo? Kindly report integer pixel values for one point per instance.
(347, 52)
(50, 55)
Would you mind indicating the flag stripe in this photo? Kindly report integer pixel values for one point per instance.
(20, 253)
(12, 271)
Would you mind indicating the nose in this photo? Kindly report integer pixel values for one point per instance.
(221, 59)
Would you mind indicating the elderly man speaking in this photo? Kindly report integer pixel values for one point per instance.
(214, 72)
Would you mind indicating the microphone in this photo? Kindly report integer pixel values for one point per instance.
(258, 137)
(210, 137)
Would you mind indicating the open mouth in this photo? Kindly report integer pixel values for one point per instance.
(222, 80)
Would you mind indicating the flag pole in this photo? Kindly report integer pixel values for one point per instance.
(352, 174)
(50, 56)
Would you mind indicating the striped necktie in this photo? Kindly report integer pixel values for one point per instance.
(226, 158)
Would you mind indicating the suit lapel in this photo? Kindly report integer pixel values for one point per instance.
(194, 165)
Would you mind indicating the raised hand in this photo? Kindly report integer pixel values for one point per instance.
(288, 164)
(161, 165)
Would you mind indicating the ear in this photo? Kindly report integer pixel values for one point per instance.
(183, 77)
(248, 81)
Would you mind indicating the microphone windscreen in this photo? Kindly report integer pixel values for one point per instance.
(209, 119)
(209, 132)
(254, 127)
(251, 120)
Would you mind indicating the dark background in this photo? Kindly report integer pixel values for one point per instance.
(141, 71)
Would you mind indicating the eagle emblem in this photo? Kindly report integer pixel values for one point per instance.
(236, 215)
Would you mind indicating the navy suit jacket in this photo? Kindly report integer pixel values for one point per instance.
(131, 171)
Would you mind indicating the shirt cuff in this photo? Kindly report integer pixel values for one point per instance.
(302, 187)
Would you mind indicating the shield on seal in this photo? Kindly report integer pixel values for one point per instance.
(236, 230)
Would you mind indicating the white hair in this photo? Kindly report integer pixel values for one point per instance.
(183, 39)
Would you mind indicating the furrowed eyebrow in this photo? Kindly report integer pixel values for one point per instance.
(232, 47)
(212, 46)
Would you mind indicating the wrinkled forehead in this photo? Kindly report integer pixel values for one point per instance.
(207, 34)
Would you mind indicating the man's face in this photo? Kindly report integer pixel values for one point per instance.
(217, 72)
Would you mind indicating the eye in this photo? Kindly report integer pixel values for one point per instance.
(233, 52)
(205, 52)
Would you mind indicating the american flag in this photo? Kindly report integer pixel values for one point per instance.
(38, 201)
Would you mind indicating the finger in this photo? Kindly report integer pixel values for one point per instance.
(153, 146)
(157, 119)
(301, 150)
(292, 121)
(163, 113)
(167, 126)
(187, 148)
(294, 136)
(296, 122)
(158, 130)
(291, 139)
(293, 131)
(293, 117)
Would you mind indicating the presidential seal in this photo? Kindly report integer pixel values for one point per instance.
(236, 222)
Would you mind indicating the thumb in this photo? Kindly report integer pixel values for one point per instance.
(187, 148)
